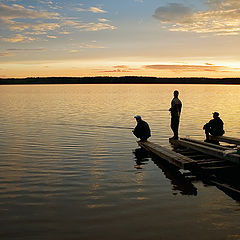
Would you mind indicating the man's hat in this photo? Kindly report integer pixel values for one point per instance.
(215, 113)
(137, 116)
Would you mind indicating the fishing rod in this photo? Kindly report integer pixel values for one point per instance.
(106, 126)
(99, 126)
(160, 110)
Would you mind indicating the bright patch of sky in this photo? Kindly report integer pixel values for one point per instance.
(136, 34)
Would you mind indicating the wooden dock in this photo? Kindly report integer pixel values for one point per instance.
(213, 150)
(192, 155)
(218, 164)
(172, 157)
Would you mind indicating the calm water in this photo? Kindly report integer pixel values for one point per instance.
(64, 176)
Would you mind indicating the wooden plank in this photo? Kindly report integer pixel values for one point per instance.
(217, 168)
(226, 139)
(211, 162)
(225, 186)
(172, 157)
(185, 152)
(207, 159)
(235, 158)
(206, 144)
(197, 156)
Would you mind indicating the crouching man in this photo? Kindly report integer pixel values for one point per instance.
(142, 130)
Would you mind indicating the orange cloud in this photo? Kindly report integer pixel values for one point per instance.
(116, 71)
(189, 68)
(120, 69)
(121, 66)
(17, 38)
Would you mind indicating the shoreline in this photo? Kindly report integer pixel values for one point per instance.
(117, 80)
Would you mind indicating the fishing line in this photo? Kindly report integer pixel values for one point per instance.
(99, 126)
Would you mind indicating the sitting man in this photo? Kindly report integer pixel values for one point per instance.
(214, 127)
(142, 129)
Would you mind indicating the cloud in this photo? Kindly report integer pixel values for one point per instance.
(64, 32)
(172, 13)
(14, 11)
(90, 26)
(221, 18)
(91, 45)
(209, 64)
(81, 9)
(121, 66)
(37, 27)
(28, 21)
(96, 10)
(73, 51)
(13, 51)
(120, 69)
(91, 9)
(103, 20)
(50, 36)
(94, 26)
(17, 38)
(189, 68)
(14, 18)
(116, 71)
(6, 54)
(27, 49)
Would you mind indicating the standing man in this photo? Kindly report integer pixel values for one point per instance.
(176, 107)
(142, 129)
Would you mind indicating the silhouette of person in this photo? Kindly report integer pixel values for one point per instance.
(176, 107)
(142, 130)
(214, 127)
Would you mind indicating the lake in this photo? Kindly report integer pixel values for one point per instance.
(68, 168)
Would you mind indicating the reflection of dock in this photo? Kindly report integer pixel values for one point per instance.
(218, 165)
(179, 181)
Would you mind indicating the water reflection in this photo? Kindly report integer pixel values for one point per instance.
(180, 183)
(67, 172)
(141, 157)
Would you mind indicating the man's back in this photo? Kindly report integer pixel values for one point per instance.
(142, 129)
(216, 126)
(176, 107)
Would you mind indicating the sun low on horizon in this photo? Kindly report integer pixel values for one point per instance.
(168, 38)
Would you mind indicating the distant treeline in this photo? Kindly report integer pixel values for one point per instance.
(117, 80)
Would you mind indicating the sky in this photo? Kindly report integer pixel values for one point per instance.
(160, 38)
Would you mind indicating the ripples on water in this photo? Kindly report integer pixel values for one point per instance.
(63, 175)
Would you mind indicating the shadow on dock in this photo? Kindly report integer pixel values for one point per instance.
(179, 181)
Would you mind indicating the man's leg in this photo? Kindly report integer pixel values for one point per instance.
(207, 131)
(175, 126)
(207, 134)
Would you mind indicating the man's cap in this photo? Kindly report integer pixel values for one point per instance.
(215, 113)
(137, 116)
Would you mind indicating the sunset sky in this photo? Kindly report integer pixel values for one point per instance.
(162, 38)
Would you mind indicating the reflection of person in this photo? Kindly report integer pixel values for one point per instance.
(214, 126)
(142, 129)
(176, 107)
